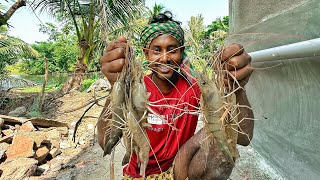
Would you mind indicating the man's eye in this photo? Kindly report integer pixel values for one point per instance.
(173, 50)
(156, 51)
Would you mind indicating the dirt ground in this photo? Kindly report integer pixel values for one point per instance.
(84, 159)
(90, 164)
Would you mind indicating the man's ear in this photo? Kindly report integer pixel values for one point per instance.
(182, 50)
(146, 53)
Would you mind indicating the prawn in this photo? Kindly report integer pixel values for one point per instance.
(219, 112)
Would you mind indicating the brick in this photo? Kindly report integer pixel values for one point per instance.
(18, 168)
(22, 146)
(3, 148)
(7, 132)
(7, 139)
(54, 152)
(54, 136)
(41, 153)
(27, 126)
(37, 136)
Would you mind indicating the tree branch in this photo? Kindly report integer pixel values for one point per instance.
(5, 17)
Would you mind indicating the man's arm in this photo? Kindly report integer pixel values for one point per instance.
(102, 125)
(245, 118)
(111, 63)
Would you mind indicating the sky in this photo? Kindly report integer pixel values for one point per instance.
(25, 23)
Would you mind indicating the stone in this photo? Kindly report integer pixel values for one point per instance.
(18, 168)
(54, 136)
(1, 122)
(22, 146)
(63, 131)
(1, 125)
(28, 126)
(7, 139)
(3, 148)
(41, 153)
(16, 127)
(100, 84)
(7, 132)
(55, 165)
(19, 111)
(54, 152)
(91, 126)
(37, 136)
(43, 168)
(65, 144)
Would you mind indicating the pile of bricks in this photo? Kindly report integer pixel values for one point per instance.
(27, 149)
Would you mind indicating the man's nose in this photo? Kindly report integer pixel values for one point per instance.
(164, 57)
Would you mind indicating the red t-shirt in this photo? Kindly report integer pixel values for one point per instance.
(164, 139)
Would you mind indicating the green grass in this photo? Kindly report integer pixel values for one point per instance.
(35, 89)
(87, 83)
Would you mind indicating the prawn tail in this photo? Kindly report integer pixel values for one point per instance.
(222, 142)
(115, 137)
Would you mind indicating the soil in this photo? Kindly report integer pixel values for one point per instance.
(84, 159)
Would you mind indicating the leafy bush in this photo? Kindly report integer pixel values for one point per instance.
(87, 83)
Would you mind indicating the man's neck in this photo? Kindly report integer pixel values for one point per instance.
(165, 86)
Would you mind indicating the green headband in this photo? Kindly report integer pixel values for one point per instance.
(153, 30)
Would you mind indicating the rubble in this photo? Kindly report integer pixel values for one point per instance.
(54, 152)
(19, 111)
(3, 149)
(22, 146)
(18, 168)
(51, 142)
(41, 154)
(28, 126)
(7, 132)
(28, 146)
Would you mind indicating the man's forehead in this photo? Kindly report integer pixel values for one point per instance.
(164, 40)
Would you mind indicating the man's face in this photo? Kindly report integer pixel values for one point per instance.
(164, 55)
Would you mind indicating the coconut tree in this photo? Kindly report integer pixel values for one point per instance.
(157, 9)
(5, 16)
(11, 49)
(93, 21)
(195, 34)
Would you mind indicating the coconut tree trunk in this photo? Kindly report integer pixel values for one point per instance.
(74, 82)
(6, 16)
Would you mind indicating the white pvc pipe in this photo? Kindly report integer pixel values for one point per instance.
(309, 48)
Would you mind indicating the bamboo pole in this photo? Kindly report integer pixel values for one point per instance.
(44, 84)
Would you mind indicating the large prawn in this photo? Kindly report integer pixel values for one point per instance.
(128, 106)
(218, 111)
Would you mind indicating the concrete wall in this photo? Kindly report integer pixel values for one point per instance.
(284, 94)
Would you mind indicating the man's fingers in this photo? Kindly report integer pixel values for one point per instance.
(113, 66)
(112, 77)
(119, 43)
(112, 55)
(231, 51)
(238, 62)
(122, 39)
(114, 45)
(242, 73)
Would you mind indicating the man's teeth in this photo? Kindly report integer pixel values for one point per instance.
(164, 68)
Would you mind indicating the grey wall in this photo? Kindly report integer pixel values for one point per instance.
(286, 92)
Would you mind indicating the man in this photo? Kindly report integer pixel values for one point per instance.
(176, 152)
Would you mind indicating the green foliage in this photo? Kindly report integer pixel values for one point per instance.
(218, 24)
(91, 20)
(12, 49)
(157, 9)
(202, 42)
(87, 83)
(61, 52)
(35, 89)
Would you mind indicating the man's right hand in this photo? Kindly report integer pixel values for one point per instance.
(111, 63)
(113, 59)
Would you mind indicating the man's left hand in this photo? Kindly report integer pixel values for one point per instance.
(238, 63)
